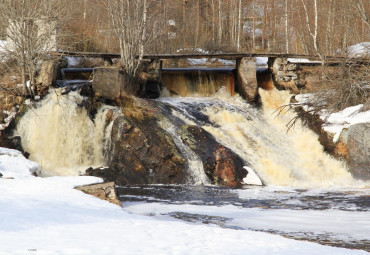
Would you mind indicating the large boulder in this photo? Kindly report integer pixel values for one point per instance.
(143, 153)
(104, 191)
(358, 145)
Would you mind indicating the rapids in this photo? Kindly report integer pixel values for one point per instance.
(59, 135)
(261, 138)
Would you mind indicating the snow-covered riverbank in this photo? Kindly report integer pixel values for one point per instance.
(47, 216)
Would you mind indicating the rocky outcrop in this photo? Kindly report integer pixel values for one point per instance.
(104, 191)
(358, 144)
(143, 153)
(220, 164)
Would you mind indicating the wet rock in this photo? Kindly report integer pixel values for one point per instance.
(104, 191)
(9, 142)
(221, 165)
(143, 153)
(359, 150)
(106, 173)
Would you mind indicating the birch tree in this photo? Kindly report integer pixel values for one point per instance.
(239, 24)
(313, 31)
(286, 27)
(362, 11)
(130, 22)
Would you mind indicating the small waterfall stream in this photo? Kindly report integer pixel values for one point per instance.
(61, 137)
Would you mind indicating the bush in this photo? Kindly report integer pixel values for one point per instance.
(348, 85)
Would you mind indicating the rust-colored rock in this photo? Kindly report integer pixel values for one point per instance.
(143, 153)
(220, 164)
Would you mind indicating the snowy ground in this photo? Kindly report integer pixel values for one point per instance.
(47, 216)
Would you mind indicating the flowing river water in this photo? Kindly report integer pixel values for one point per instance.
(307, 195)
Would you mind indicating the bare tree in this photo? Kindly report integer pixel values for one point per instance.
(30, 34)
(130, 23)
(362, 12)
(313, 31)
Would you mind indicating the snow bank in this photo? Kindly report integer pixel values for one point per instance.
(336, 122)
(47, 216)
(14, 165)
(197, 61)
(360, 50)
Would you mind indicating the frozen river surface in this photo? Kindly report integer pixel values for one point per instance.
(335, 217)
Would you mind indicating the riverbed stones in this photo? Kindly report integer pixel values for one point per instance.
(358, 144)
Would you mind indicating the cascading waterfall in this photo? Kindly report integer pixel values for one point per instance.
(194, 164)
(260, 137)
(61, 137)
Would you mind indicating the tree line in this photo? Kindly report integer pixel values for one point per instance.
(283, 26)
(136, 27)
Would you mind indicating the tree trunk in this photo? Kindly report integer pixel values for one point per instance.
(219, 23)
(239, 24)
(286, 27)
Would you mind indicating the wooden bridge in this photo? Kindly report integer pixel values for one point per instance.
(328, 59)
(245, 77)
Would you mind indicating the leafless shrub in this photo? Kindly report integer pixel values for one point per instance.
(348, 85)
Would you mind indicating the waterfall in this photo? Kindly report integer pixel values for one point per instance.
(61, 137)
(203, 82)
(260, 137)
